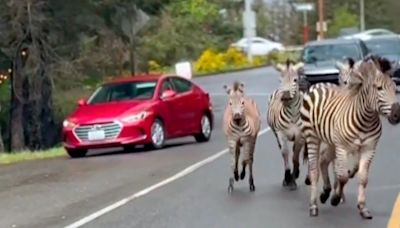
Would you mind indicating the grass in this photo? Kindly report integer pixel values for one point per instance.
(9, 158)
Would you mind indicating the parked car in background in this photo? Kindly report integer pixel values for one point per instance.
(141, 110)
(387, 46)
(320, 58)
(259, 46)
(369, 34)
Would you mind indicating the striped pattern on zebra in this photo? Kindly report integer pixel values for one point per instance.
(347, 119)
(283, 117)
(344, 79)
(241, 125)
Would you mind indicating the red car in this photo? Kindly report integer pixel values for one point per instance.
(141, 110)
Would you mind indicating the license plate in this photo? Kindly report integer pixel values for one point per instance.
(96, 135)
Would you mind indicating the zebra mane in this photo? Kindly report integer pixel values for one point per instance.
(289, 62)
(382, 63)
(238, 86)
(351, 62)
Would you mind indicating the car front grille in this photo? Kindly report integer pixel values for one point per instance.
(111, 130)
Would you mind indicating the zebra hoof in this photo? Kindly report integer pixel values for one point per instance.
(291, 185)
(324, 196)
(252, 188)
(243, 174)
(236, 174)
(307, 181)
(365, 214)
(335, 200)
(314, 211)
(296, 174)
(230, 186)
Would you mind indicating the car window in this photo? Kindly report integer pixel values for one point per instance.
(384, 47)
(182, 85)
(328, 52)
(166, 85)
(123, 91)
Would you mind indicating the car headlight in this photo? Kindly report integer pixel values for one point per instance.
(68, 124)
(136, 117)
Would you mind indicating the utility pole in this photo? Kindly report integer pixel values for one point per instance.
(248, 19)
(321, 18)
(362, 15)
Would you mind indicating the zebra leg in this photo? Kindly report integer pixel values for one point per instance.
(297, 146)
(234, 150)
(313, 144)
(248, 153)
(327, 156)
(288, 181)
(356, 164)
(365, 162)
(341, 175)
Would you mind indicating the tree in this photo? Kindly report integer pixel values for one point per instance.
(342, 18)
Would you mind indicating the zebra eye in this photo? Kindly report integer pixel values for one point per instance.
(295, 80)
(242, 102)
(230, 103)
(379, 87)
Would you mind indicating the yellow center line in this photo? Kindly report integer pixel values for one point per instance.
(394, 220)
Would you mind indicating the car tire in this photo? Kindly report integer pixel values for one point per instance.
(76, 153)
(157, 135)
(205, 129)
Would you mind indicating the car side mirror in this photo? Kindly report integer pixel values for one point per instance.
(82, 102)
(168, 94)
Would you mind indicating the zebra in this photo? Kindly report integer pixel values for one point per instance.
(283, 117)
(347, 119)
(241, 125)
(344, 79)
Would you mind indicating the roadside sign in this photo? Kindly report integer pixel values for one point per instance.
(184, 69)
(304, 6)
(324, 26)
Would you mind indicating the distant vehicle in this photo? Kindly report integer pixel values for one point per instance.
(387, 46)
(369, 34)
(141, 110)
(320, 57)
(259, 46)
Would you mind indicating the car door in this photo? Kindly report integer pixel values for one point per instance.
(170, 109)
(188, 104)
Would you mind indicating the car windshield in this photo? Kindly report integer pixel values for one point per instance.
(328, 52)
(384, 47)
(123, 92)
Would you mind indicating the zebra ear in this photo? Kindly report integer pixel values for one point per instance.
(279, 67)
(227, 89)
(241, 87)
(340, 66)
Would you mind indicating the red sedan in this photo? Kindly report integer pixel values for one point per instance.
(142, 110)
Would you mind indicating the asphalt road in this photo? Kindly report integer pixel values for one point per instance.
(59, 192)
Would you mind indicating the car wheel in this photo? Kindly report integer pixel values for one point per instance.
(157, 133)
(205, 132)
(76, 153)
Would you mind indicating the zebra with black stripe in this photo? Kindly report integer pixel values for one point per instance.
(241, 125)
(348, 120)
(283, 117)
(344, 79)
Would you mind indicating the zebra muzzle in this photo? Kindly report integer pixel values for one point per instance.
(394, 117)
(285, 96)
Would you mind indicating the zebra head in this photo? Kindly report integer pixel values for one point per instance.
(289, 73)
(345, 71)
(381, 88)
(236, 101)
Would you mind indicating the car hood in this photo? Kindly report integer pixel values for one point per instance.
(107, 112)
(321, 67)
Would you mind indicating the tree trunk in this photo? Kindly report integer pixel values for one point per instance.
(1, 142)
(16, 107)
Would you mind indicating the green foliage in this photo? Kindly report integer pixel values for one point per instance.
(342, 18)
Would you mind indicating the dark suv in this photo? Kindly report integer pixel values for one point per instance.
(387, 46)
(319, 58)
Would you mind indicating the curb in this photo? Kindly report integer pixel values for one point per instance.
(230, 71)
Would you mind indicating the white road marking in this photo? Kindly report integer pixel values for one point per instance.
(145, 191)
